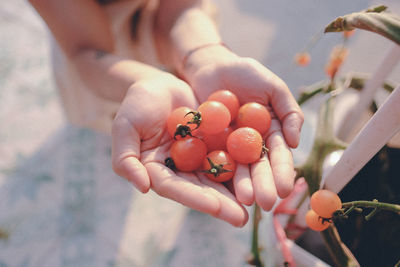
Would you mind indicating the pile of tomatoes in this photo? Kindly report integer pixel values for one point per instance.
(216, 136)
(323, 205)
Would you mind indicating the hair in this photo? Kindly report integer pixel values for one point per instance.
(135, 19)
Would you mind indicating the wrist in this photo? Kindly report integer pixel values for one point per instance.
(201, 56)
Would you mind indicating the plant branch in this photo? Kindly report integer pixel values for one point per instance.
(255, 258)
(373, 204)
(305, 96)
(339, 252)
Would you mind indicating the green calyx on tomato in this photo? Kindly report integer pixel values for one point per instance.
(215, 169)
(264, 149)
(169, 162)
(182, 131)
(196, 118)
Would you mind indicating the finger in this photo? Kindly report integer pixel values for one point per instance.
(263, 183)
(291, 125)
(288, 112)
(186, 190)
(199, 194)
(230, 209)
(281, 160)
(126, 153)
(243, 185)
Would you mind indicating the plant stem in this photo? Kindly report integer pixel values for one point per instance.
(3, 234)
(339, 252)
(373, 204)
(325, 142)
(304, 97)
(255, 247)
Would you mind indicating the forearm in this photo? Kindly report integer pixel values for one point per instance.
(178, 31)
(82, 30)
(108, 75)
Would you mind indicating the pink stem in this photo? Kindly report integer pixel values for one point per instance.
(281, 235)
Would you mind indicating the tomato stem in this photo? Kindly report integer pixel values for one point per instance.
(183, 131)
(264, 149)
(169, 162)
(196, 118)
(216, 169)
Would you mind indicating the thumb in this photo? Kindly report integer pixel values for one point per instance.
(126, 153)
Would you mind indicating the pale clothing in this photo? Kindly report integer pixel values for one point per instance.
(82, 106)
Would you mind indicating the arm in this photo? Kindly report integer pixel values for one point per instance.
(182, 26)
(82, 30)
(214, 67)
(140, 142)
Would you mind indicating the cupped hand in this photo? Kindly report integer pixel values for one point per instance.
(140, 144)
(252, 82)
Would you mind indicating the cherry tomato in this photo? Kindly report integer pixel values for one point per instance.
(338, 55)
(179, 116)
(348, 34)
(219, 166)
(245, 145)
(215, 117)
(325, 203)
(315, 222)
(254, 115)
(217, 141)
(302, 59)
(188, 153)
(227, 98)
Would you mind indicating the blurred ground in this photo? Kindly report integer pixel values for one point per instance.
(61, 204)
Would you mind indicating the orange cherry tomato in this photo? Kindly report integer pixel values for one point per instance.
(254, 115)
(217, 141)
(188, 153)
(348, 34)
(227, 98)
(325, 203)
(336, 58)
(315, 222)
(215, 117)
(245, 145)
(179, 116)
(219, 166)
(302, 59)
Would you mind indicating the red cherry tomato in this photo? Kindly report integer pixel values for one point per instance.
(188, 153)
(177, 117)
(325, 203)
(254, 115)
(215, 117)
(245, 145)
(217, 141)
(227, 98)
(219, 166)
(315, 222)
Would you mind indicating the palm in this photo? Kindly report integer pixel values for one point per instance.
(139, 132)
(251, 81)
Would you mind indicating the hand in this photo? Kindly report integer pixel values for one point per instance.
(140, 144)
(215, 68)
